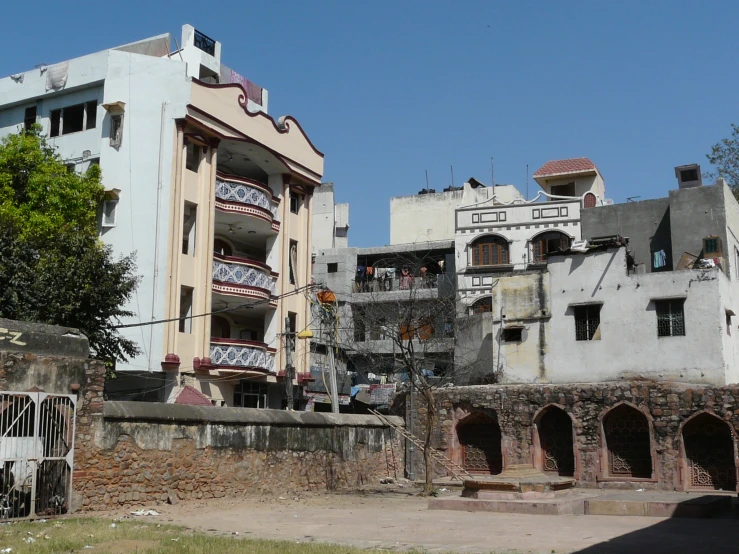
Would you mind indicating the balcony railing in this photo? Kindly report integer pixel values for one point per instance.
(247, 192)
(241, 354)
(399, 282)
(243, 272)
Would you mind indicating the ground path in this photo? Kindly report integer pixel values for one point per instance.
(398, 521)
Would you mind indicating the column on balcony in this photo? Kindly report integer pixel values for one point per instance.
(274, 245)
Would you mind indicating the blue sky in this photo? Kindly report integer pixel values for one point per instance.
(389, 89)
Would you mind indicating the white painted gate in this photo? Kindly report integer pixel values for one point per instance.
(36, 453)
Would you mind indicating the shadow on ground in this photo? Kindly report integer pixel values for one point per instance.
(682, 533)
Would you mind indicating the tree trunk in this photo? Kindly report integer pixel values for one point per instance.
(428, 461)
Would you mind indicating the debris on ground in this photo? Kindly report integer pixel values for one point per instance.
(387, 481)
(145, 513)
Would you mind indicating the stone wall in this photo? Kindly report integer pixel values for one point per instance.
(667, 408)
(134, 453)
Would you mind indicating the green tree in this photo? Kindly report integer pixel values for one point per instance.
(53, 267)
(724, 157)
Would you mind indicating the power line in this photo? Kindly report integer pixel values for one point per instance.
(248, 305)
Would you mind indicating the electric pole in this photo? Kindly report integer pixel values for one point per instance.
(289, 369)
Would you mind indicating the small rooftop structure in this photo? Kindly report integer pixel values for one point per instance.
(561, 168)
(192, 397)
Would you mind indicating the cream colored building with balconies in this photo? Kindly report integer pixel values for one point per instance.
(213, 195)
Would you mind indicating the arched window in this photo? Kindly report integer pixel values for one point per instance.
(589, 200)
(483, 305)
(709, 449)
(628, 442)
(555, 440)
(547, 243)
(489, 250)
(479, 438)
(221, 247)
(219, 327)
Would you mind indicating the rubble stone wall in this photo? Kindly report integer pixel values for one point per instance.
(667, 408)
(136, 453)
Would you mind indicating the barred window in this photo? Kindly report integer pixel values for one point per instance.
(587, 322)
(670, 318)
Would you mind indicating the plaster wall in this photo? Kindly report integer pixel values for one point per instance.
(628, 323)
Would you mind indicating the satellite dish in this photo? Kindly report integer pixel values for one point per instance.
(608, 202)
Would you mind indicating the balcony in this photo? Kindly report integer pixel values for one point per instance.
(239, 195)
(243, 277)
(241, 355)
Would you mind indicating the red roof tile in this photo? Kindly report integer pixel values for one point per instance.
(193, 397)
(557, 167)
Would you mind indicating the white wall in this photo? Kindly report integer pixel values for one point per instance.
(144, 83)
(430, 217)
(629, 346)
(82, 72)
(515, 224)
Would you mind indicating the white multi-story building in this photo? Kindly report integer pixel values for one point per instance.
(212, 193)
(503, 234)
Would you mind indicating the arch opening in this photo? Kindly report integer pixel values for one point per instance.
(479, 438)
(555, 439)
(709, 453)
(628, 443)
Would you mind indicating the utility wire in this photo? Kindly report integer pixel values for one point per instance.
(248, 305)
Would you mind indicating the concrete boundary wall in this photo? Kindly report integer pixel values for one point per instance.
(143, 453)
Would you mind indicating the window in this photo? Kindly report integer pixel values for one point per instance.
(188, 228)
(512, 334)
(116, 130)
(670, 318)
(489, 251)
(250, 395)
(93, 161)
(333, 268)
(56, 121)
(91, 114)
(293, 262)
(186, 309)
(484, 305)
(294, 202)
(29, 117)
(293, 317)
(192, 160)
(563, 190)
(110, 210)
(359, 319)
(71, 167)
(73, 119)
(587, 322)
(712, 247)
(547, 243)
(221, 247)
(220, 328)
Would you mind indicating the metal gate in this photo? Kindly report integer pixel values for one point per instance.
(36, 453)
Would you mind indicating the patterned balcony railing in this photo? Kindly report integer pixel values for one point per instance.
(232, 191)
(241, 354)
(243, 272)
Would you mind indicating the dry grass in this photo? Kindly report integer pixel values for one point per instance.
(97, 536)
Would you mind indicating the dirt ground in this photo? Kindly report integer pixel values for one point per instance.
(399, 520)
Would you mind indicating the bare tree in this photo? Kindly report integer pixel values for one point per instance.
(405, 321)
